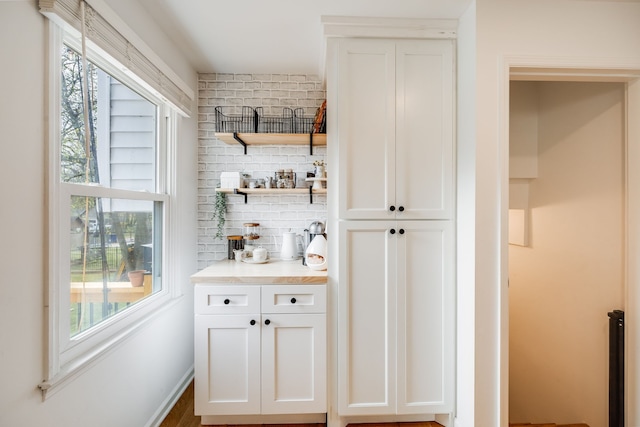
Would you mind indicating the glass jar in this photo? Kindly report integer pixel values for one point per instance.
(251, 231)
(234, 243)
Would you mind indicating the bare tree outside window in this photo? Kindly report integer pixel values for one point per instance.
(111, 238)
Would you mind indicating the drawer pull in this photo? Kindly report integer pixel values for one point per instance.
(226, 301)
(253, 322)
(293, 300)
(267, 322)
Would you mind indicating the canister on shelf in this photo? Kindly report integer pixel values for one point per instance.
(251, 231)
(234, 242)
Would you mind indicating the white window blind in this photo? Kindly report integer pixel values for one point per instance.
(105, 36)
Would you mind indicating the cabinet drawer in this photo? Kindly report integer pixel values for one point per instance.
(210, 299)
(294, 299)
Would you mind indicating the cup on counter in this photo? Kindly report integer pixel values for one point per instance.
(259, 254)
(239, 254)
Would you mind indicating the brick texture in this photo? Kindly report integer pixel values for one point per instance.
(276, 214)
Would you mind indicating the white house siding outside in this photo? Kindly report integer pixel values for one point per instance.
(275, 213)
(127, 128)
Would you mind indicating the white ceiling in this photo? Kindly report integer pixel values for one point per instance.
(272, 36)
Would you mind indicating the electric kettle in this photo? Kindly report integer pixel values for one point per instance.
(289, 249)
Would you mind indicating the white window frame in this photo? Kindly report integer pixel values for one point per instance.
(66, 356)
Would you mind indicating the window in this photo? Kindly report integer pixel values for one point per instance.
(108, 202)
(114, 243)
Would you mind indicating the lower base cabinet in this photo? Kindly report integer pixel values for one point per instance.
(260, 349)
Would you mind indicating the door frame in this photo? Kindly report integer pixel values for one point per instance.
(571, 70)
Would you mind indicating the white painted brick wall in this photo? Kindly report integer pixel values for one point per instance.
(276, 214)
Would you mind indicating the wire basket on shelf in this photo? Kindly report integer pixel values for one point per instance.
(245, 122)
(275, 124)
(315, 124)
(301, 123)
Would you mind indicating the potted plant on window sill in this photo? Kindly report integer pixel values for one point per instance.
(136, 277)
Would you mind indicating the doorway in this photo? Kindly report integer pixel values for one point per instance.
(567, 246)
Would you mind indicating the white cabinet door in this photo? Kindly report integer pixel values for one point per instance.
(425, 322)
(366, 132)
(294, 363)
(395, 317)
(366, 318)
(424, 129)
(394, 125)
(227, 364)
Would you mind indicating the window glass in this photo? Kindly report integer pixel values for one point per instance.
(111, 257)
(114, 235)
(121, 149)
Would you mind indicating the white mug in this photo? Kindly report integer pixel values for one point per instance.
(259, 254)
(239, 254)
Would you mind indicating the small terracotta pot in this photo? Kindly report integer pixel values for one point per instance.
(136, 277)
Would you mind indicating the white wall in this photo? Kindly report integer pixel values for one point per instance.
(552, 33)
(128, 385)
(563, 284)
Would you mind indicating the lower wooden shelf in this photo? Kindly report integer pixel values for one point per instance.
(273, 191)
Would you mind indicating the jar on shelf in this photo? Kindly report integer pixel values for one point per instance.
(251, 231)
(235, 242)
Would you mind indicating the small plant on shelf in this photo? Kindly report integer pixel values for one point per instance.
(219, 211)
(319, 168)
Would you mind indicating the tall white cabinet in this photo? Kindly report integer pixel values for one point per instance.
(391, 159)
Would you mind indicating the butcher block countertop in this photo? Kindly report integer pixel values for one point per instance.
(275, 272)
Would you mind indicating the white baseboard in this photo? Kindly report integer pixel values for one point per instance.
(171, 399)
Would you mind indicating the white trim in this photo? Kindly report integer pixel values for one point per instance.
(598, 70)
(113, 193)
(632, 290)
(103, 34)
(110, 16)
(68, 357)
(52, 309)
(69, 371)
(352, 26)
(171, 400)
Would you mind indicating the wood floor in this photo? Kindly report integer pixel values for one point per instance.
(181, 415)
(547, 425)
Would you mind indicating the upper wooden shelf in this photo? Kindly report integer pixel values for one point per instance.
(246, 139)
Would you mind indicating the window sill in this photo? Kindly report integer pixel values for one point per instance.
(109, 338)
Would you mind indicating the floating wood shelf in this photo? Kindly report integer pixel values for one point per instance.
(272, 191)
(246, 139)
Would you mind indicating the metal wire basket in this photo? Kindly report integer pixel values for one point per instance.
(275, 124)
(301, 123)
(245, 122)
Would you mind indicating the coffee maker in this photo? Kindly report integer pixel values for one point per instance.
(315, 228)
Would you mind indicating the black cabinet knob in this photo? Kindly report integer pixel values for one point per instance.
(401, 231)
(392, 208)
(401, 208)
(267, 322)
(392, 231)
(226, 301)
(253, 322)
(293, 300)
